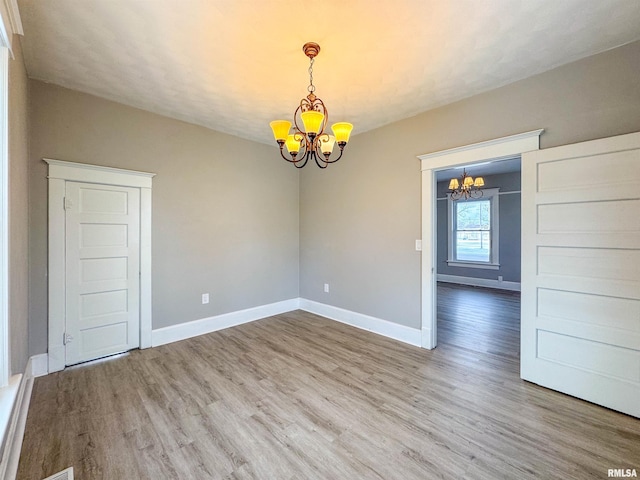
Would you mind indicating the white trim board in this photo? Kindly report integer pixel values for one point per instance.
(402, 333)
(88, 173)
(479, 282)
(488, 150)
(15, 432)
(182, 331)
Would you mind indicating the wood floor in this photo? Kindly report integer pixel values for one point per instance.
(297, 396)
(480, 319)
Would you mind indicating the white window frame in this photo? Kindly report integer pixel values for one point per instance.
(5, 364)
(12, 388)
(10, 24)
(493, 195)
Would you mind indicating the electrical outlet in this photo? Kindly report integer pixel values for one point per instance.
(499, 278)
(205, 298)
(326, 288)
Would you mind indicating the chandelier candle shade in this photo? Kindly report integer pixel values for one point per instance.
(311, 141)
(466, 187)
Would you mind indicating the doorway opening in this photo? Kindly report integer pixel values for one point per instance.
(491, 150)
(478, 260)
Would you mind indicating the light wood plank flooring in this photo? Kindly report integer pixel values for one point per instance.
(481, 319)
(297, 396)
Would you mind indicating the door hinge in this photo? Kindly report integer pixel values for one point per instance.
(66, 338)
(67, 203)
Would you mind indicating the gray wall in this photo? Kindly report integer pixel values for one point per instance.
(508, 230)
(361, 217)
(18, 210)
(226, 217)
(225, 210)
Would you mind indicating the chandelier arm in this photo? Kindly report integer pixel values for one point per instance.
(295, 117)
(306, 159)
(325, 120)
(319, 159)
(317, 150)
(300, 162)
(317, 155)
(287, 159)
(339, 157)
(299, 136)
(295, 159)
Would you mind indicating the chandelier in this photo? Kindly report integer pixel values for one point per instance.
(310, 142)
(466, 187)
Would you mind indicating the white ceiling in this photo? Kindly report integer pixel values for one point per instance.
(234, 65)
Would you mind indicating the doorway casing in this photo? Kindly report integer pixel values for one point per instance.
(497, 149)
(59, 173)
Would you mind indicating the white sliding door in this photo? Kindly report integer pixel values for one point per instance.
(581, 270)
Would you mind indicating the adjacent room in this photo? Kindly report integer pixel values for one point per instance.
(327, 240)
(478, 257)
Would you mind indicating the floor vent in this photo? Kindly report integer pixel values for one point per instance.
(63, 475)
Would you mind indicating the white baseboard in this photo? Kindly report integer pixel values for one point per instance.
(479, 282)
(15, 431)
(57, 358)
(428, 341)
(182, 331)
(39, 365)
(402, 333)
(174, 333)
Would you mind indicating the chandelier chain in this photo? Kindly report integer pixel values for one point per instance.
(311, 88)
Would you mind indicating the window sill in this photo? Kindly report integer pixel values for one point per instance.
(486, 266)
(8, 396)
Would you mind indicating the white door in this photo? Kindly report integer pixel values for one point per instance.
(581, 270)
(102, 270)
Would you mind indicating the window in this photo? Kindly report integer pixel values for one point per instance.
(473, 231)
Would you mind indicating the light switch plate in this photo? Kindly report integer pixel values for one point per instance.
(419, 245)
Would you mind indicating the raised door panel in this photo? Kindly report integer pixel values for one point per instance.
(102, 270)
(581, 271)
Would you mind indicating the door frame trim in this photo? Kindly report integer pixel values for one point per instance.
(59, 173)
(430, 163)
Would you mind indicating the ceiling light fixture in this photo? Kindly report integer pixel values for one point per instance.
(312, 142)
(466, 187)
